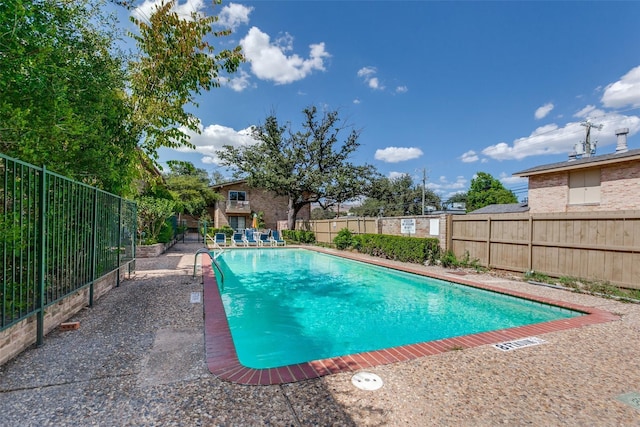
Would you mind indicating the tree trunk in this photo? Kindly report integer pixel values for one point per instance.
(292, 212)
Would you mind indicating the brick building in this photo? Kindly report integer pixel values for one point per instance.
(609, 182)
(240, 202)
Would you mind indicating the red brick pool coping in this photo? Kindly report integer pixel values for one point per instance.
(223, 362)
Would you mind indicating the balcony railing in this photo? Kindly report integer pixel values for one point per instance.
(238, 206)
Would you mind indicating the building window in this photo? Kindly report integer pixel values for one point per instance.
(584, 187)
(238, 196)
(237, 222)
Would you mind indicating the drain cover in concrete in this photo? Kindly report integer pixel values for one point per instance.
(524, 342)
(631, 399)
(195, 297)
(366, 381)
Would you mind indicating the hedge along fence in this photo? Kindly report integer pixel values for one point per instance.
(398, 248)
(300, 236)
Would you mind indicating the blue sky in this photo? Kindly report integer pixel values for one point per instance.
(450, 87)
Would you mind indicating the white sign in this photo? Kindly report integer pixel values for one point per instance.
(434, 226)
(408, 226)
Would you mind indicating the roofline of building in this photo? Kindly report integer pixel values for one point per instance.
(581, 163)
(226, 184)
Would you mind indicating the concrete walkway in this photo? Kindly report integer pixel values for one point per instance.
(138, 359)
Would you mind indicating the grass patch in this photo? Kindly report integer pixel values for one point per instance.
(592, 287)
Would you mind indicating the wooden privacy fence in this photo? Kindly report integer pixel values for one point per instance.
(421, 226)
(326, 230)
(601, 246)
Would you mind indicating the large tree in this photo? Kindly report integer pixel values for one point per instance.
(71, 101)
(307, 166)
(395, 197)
(64, 101)
(190, 187)
(175, 62)
(486, 190)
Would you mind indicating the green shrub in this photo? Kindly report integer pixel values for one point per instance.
(299, 236)
(166, 232)
(537, 276)
(344, 239)
(467, 262)
(449, 259)
(399, 248)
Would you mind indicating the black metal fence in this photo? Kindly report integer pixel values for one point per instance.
(57, 236)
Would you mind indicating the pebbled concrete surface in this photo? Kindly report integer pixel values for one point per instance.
(138, 360)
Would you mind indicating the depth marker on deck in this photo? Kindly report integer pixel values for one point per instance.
(524, 342)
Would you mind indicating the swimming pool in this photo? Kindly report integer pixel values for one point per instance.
(288, 306)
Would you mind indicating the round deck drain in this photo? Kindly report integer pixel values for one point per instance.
(366, 381)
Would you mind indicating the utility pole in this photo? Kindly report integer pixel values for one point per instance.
(589, 149)
(424, 182)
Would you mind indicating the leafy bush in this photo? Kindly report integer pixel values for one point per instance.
(399, 248)
(448, 259)
(152, 216)
(344, 239)
(299, 236)
(166, 232)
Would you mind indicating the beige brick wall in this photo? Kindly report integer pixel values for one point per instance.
(548, 193)
(19, 337)
(274, 207)
(619, 190)
(392, 226)
(620, 187)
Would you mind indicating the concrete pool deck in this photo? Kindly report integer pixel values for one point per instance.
(138, 358)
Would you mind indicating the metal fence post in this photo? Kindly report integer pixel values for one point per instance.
(42, 258)
(119, 240)
(94, 243)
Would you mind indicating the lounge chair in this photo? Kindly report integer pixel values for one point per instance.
(220, 239)
(265, 238)
(249, 238)
(238, 240)
(276, 240)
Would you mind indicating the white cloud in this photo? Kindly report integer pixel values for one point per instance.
(543, 111)
(469, 157)
(269, 61)
(445, 186)
(368, 74)
(238, 82)
(213, 138)
(551, 139)
(512, 180)
(625, 92)
(402, 89)
(374, 83)
(233, 15)
(589, 111)
(356, 101)
(184, 10)
(397, 154)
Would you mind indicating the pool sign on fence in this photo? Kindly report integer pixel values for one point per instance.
(408, 226)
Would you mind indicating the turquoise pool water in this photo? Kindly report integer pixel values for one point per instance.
(288, 306)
